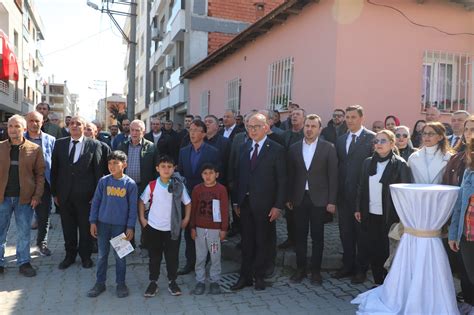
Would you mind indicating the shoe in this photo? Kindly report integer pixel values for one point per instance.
(34, 225)
(359, 278)
(121, 290)
(298, 276)
(286, 244)
(173, 288)
(44, 250)
(242, 283)
(2, 270)
(215, 288)
(151, 290)
(199, 289)
(187, 269)
(87, 263)
(96, 290)
(316, 278)
(27, 270)
(460, 297)
(341, 273)
(259, 284)
(269, 272)
(233, 232)
(66, 263)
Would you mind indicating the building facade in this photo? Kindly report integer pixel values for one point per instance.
(329, 54)
(59, 99)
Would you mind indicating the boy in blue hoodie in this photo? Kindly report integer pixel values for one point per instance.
(113, 211)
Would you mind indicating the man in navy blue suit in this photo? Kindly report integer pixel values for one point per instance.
(191, 159)
(261, 183)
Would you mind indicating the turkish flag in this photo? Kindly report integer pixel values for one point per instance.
(9, 70)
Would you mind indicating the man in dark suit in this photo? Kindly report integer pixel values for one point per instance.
(312, 163)
(261, 196)
(184, 134)
(336, 126)
(160, 139)
(221, 143)
(230, 126)
(174, 142)
(91, 132)
(191, 159)
(352, 149)
(75, 171)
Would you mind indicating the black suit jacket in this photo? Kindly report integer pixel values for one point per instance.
(163, 146)
(266, 184)
(350, 164)
(237, 129)
(321, 176)
(78, 181)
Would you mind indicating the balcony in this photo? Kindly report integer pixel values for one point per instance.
(175, 78)
(174, 98)
(10, 97)
(176, 23)
(156, 7)
(39, 57)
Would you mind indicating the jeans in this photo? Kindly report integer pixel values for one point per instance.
(43, 211)
(23, 216)
(105, 232)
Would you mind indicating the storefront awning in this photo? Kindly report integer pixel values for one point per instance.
(9, 69)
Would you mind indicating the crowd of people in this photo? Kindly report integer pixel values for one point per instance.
(217, 178)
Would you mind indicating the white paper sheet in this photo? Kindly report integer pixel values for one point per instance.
(121, 245)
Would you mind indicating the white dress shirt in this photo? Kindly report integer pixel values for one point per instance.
(79, 148)
(260, 145)
(228, 131)
(349, 138)
(375, 190)
(156, 137)
(308, 154)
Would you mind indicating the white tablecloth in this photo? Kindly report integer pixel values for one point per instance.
(420, 280)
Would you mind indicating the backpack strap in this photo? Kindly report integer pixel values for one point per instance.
(152, 189)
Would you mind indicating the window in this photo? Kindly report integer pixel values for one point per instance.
(233, 94)
(280, 82)
(205, 97)
(141, 86)
(445, 81)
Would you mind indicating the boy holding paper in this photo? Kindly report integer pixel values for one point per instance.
(209, 223)
(113, 212)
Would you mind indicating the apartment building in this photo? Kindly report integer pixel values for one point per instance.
(58, 97)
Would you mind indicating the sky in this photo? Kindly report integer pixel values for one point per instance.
(83, 47)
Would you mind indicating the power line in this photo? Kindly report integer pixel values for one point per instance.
(414, 23)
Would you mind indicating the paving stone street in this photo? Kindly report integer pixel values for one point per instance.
(55, 291)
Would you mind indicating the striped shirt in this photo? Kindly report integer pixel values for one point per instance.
(133, 164)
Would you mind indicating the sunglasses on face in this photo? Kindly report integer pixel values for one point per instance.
(401, 135)
(380, 141)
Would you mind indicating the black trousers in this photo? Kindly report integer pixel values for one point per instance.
(43, 211)
(290, 224)
(348, 232)
(467, 286)
(376, 246)
(307, 215)
(467, 252)
(255, 227)
(271, 246)
(159, 242)
(74, 217)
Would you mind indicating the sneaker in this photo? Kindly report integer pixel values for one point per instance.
(96, 290)
(44, 250)
(199, 289)
(215, 288)
(27, 270)
(122, 290)
(173, 288)
(151, 290)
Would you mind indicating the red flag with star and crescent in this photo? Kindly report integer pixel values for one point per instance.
(9, 70)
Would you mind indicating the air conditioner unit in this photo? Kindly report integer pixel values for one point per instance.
(156, 33)
(169, 62)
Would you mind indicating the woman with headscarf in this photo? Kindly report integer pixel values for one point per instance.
(391, 122)
(403, 142)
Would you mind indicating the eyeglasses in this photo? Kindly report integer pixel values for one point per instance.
(429, 134)
(401, 135)
(254, 127)
(381, 141)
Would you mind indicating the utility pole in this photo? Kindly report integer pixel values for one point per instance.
(131, 40)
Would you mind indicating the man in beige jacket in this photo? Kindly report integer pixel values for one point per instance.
(21, 166)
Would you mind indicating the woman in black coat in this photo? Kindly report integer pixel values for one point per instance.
(375, 210)
(403, 142)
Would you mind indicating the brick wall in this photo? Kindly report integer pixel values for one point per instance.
(237, 10)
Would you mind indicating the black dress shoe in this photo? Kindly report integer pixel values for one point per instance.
(242, 283)
(316, 278)
(87, 264)
(342, 274)
(66, 263)
(359, 278)
(259, 284)
(298, 276)
(187, 269)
